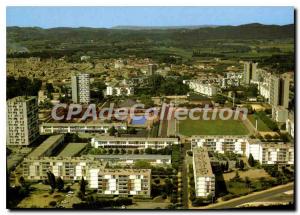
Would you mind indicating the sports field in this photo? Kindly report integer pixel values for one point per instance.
(261, 126)
(190, 127)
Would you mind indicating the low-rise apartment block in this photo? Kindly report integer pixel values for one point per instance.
(264, 152)
(106, 181)
(132, 142)
(47, 147)
(121, 182)
(62, 128)
(221, 144)
(200, 86)
(119, 91)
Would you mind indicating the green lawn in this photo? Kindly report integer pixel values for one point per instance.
(190, 127)
(261, 126)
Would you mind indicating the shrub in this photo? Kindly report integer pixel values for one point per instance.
(53, 203)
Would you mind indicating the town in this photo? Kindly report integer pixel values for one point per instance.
(237, 153)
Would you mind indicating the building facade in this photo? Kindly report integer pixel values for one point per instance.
(250, 72)
(122, 182)
(203, 88)
(132, 142)
(264, 152)
(63, 128)
(203, 175)
(81, 88)
(279, 91)
(22, 126)
(106, 181)
(221, 144)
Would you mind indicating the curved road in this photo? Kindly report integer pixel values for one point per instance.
(252, 197)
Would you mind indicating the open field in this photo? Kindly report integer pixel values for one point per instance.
(191, 127)
(251, 173)
(261, 126)
(72, 149)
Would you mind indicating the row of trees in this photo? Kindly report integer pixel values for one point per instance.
(270, 123)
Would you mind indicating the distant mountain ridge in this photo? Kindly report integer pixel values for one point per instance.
(189, 36)
(136, 27)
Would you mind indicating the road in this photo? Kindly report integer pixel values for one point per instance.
(251, 197)
(185, 197)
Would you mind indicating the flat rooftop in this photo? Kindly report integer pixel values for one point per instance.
(46, 145)
(219, 136)
(111, 138)
(72, 149)
(21, 99)
(132, 157)
(201, 161)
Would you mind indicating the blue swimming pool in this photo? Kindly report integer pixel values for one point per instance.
(138, 120)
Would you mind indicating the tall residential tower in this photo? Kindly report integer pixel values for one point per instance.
(22, 121)
(250, 73)
(81, 88)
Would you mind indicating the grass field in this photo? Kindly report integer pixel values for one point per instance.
(261, 126)
(72, 149)
(190, 127)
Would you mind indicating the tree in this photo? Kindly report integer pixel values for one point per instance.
(237, 164)
(60, 184)
(226, 166)
(219, 99)
(131, 130)
(112, 131)
(142, 164)
(136, 151)
(251, 160)
(123, 151)
(82, 186)
(242, 165)
(117, 151)
(22, 181)
(148, 151)
(51, 180)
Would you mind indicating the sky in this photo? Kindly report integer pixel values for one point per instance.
(106, 17)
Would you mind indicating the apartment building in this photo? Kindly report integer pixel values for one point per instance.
(119, 91)
(152, 68)
(125, 159)
(203, 175)
(132, 142)
(280, 114)
(220, 143)
(46, 148)
(122, 182)
(22, 120)
(250, 72)
(272, 153)
(62, 128)
(81, 88)
(105, 180)
(67, 168)
(290, 124)
(200, 86)
(279, 90)
(281, 153)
